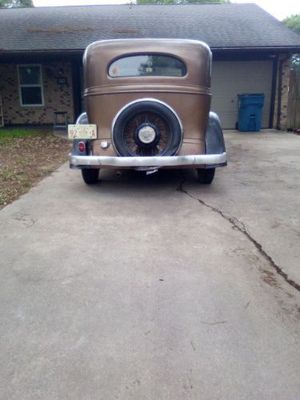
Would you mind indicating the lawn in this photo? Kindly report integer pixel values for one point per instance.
(26, 156)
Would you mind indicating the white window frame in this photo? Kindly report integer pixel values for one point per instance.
(40, 85)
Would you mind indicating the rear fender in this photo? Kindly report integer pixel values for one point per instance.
(81, 120)
(214, 140)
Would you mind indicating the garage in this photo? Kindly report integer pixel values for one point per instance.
(230, 78)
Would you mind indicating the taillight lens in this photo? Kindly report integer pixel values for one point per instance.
(81, 147)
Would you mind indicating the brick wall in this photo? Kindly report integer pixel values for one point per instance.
(284, 90)
(57, 97)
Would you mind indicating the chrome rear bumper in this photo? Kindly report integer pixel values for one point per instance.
(205, 160)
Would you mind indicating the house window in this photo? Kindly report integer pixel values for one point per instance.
(31, 89)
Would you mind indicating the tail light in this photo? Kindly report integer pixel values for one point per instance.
(82, 147)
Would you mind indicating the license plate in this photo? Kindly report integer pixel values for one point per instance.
(88, 131)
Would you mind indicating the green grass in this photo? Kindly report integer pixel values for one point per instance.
(21, 132)
(8, 134)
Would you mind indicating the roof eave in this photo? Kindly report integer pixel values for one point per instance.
(266, 49)
(238, 49)
(42, 51)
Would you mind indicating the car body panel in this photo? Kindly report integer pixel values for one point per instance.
(188, 96)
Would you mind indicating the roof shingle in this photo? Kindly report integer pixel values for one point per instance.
(73, 28)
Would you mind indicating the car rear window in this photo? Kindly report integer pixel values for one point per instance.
(147, 65)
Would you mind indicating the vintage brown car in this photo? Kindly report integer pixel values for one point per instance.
(147, 107)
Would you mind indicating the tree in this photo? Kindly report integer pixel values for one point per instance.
(181, 1)
(15, 3)
(293, 22)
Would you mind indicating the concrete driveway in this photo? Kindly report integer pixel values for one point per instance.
(155, 287)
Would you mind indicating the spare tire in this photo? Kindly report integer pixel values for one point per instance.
(147, 128)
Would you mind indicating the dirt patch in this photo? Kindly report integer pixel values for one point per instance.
(26, 160)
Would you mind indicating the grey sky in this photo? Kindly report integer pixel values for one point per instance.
(280, 9)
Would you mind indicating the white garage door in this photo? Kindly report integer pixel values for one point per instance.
(230, 78)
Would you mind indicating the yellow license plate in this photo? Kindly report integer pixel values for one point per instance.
(88, 131)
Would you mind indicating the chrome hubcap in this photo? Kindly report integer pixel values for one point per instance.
(146, 134)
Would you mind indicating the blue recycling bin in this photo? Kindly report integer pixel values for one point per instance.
(250, 112)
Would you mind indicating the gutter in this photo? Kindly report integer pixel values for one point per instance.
(40, 51)
(291, 49)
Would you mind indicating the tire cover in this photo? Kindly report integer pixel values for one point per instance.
(164, 112)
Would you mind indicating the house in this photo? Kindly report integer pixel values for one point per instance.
(41, 54)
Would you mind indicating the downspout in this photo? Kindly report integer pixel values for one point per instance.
(281, 62)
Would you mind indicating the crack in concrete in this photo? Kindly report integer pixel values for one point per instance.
(240, 226)
(213, 323)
